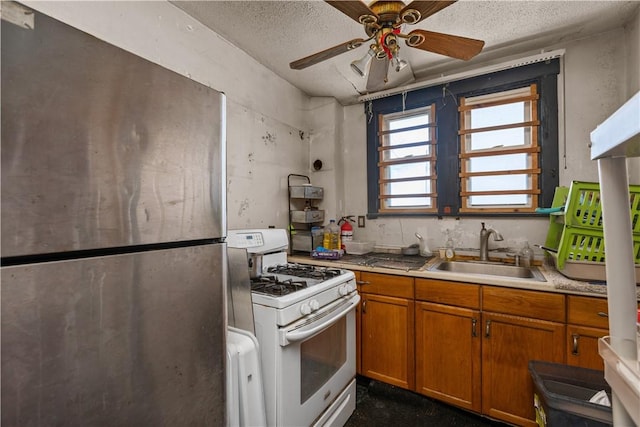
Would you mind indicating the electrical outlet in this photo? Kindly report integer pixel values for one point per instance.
(360, 221)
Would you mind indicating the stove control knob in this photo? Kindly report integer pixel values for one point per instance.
(344, 290)
(314, 305)
(305, 309)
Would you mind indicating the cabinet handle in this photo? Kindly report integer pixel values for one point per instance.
(474, 327)
(603, 314)
(487, 329)
(364, 306)
(361, 282)
(574, 349)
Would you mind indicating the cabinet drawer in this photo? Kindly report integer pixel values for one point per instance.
(384, 284)
(534, 304)
(587, 311)
(450, 293)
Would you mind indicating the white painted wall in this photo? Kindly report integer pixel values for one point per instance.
(632, 31)
(595, 79)
(325, 125)
(266, 114)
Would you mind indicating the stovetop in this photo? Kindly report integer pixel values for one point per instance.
(305, 271)
(284, 279)
(285, 285)
(277, 286)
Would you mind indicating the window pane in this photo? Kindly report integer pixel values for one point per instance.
(499, 182)
(408, 170)
(498, 163)
(406, 137)
(409, 187)
(406, 153)
(497, 115)
(403, 120)
(500, 200)
(410, 202)
(498, 138)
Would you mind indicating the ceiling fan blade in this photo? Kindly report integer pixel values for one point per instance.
(325, 54)
(354, 9)
(377, 74)
(426, 9)
(448, 45)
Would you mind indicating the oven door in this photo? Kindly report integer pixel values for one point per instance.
(317, 362)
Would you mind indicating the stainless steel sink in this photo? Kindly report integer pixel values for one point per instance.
(484, 268)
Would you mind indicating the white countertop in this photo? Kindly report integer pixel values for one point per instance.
(555, 281)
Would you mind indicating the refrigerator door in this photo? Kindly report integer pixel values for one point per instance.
(124, 340)
(101, 148)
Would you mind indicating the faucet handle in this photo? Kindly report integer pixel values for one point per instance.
(482, 225)
(516, 257)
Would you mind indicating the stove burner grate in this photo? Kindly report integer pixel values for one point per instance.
(305, 271)
(271, 285)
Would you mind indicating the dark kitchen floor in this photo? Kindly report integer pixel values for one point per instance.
(383, 405)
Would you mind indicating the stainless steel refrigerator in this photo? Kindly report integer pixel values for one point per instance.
(113, 227)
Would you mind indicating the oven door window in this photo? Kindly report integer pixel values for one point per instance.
(321, 356)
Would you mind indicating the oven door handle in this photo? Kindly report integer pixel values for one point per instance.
(303, 333)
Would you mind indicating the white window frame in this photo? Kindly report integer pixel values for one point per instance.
(385, 133)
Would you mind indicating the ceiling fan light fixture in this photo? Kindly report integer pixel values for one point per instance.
(360, 66)
(411, 16)
(399, 63)
(368, 19)
(415, 40)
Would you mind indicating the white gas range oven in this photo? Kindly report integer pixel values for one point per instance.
(305, 324)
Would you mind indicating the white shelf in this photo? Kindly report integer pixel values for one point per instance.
(619, 135)
(623, 375)
(612, 141)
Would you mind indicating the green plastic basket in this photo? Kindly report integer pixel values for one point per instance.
(585, 244)
(583, 208)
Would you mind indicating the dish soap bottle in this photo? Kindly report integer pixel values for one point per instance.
(527, 255)
(449, 251)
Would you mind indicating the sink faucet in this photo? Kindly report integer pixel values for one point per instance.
(484, 241)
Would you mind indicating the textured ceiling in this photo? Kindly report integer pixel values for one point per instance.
(276, 33)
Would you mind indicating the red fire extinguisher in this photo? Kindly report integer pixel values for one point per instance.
(346, 230)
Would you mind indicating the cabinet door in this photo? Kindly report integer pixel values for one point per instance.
(582, 347)
(388, 340)
(448, 354)
(509, 342)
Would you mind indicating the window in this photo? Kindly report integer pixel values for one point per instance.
(499, 151)
(485, 145)
(407, 161)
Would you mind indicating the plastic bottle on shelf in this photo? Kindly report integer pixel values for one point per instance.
(331, 236)
(326, 238)
(527, 255)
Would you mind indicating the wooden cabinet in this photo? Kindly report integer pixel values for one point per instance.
(448, 342)
(587, 321)
(518, 326)
(387, 329)
(470, 345)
